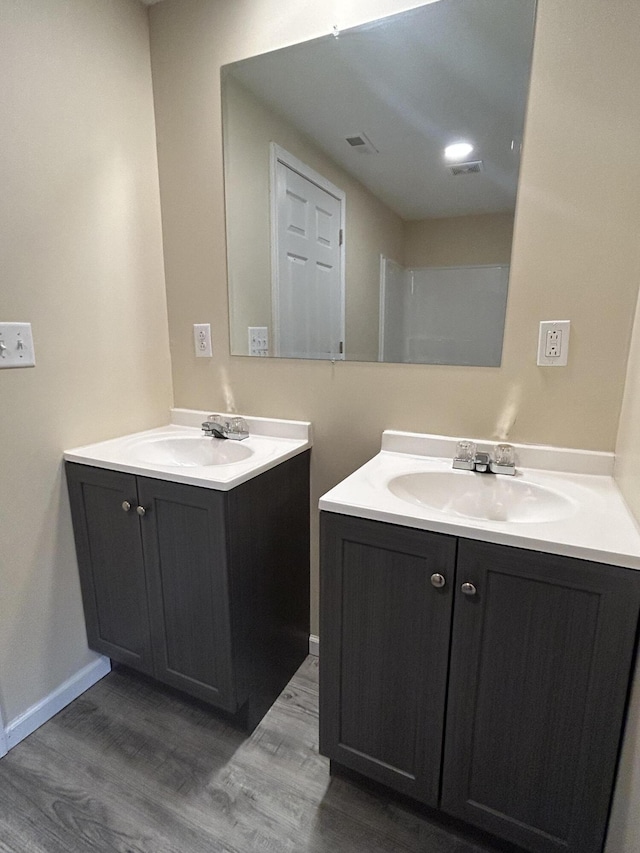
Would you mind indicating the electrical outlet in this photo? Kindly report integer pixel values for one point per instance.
(202, 340)
(553, 343)
(258, 340)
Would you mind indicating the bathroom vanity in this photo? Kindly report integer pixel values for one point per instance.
(194, 557)
(477, 653)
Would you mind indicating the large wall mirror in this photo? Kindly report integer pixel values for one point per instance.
(353, 230)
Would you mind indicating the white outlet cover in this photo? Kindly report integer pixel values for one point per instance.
(16, 345)
(258, 340)
(560, 360)
(202, 340)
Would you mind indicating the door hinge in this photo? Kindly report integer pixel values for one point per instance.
(341, 347)
(341, 237)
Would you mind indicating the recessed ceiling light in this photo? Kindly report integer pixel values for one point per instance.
(458, 151)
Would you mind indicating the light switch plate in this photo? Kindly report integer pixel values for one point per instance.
(16, 345)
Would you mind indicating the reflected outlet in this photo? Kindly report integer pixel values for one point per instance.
(258, 340)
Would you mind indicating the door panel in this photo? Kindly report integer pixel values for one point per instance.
(309, 300)
(185, 551)
(540, 664)
(385, 636)
(111, 564)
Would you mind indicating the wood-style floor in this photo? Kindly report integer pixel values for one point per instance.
(130, 767)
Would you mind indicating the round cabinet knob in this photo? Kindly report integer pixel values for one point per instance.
(438, 580)
(126, 506)
(468, 589)
(141, 510)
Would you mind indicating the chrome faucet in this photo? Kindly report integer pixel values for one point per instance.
(502, 460)
(235, 429)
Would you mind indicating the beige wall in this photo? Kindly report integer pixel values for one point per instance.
(628, 444)
(372, 229)
(625, 820)
(459, 241)
(249, 129)
(80, 243)
(571, 259)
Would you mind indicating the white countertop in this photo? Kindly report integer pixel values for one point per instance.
(271, 441)
(598, 525)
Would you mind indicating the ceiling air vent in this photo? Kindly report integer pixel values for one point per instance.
(361, 143)
(473, 167)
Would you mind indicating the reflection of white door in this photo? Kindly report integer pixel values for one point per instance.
(308, 262)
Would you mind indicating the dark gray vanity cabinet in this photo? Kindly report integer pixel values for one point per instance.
(207, 591)
(527, 689)
(184, 543)
(540, 667)
(384, 625)
(112, 570)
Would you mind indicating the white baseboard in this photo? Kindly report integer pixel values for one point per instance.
(46, 708)
(38, 714)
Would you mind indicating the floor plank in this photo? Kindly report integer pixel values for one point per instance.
(130, 767)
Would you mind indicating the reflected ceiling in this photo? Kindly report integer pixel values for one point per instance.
(443, 73)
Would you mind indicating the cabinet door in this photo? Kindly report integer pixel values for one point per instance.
(111, 565)
(183, 533)
(541, 659)
(385, 640)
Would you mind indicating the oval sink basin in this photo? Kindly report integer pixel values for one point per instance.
(486, 497)
(189, 451)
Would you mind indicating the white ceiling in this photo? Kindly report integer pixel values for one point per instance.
(413, 82)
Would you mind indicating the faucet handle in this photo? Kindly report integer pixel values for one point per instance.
(465, 455)
(238, 428)
(504, 454)
(466, 450)
(503, 459)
